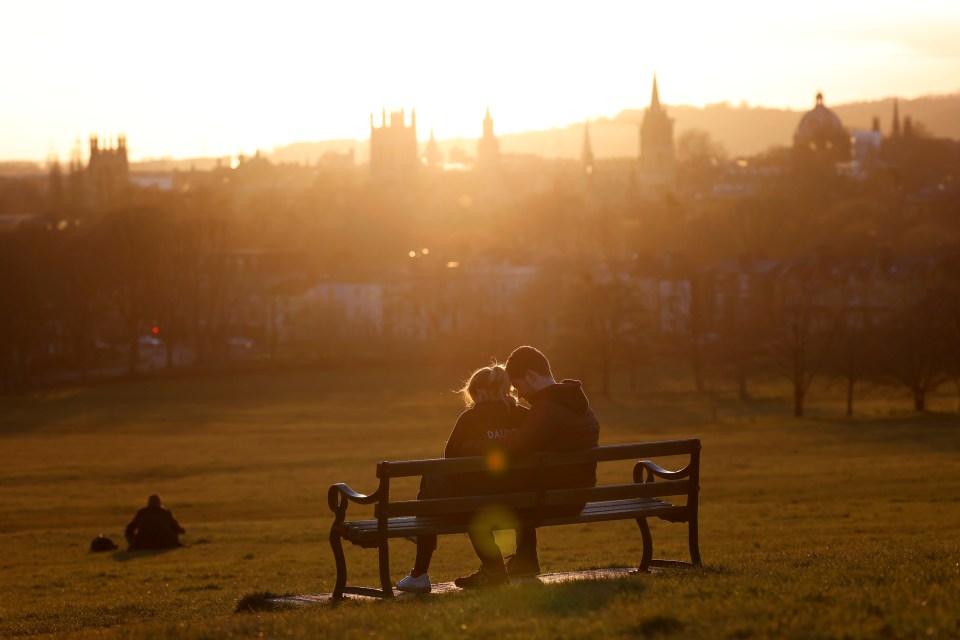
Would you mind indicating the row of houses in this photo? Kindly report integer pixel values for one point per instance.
(273, 302)
(673, 297)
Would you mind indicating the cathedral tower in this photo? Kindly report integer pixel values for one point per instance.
(657, 158)
(107, 176)
(393, 146)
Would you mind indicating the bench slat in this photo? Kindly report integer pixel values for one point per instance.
(610, 453)
(465, 504)
(528, 500)
(558, 497)
(366, 530)
(404, 468)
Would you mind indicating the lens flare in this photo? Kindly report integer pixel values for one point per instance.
(491, 518)
(496, 462)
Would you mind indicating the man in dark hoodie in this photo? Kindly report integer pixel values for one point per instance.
(560, 419)
(153, 527)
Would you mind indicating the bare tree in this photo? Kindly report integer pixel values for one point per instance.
(700, 158)
(795, 341)
(129, 247)
(24, 265)
(913, 356)
(600, 322)
(851, 354)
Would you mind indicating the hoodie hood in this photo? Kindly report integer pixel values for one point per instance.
(561, 420)
(568, 394)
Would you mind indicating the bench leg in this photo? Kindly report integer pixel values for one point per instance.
(647, 544)
(385, 582)
(694, 542)
(337, 545)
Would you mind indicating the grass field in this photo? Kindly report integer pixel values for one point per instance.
(815, 528)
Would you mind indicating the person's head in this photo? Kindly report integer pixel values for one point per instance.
(153, 501)
(487, 384)
(529, 371)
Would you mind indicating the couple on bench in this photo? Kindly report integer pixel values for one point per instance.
(496, 426)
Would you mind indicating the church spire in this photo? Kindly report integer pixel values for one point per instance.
(488, 124)
(432, 156)
(657, 157)
(488, 151)
(655, 96)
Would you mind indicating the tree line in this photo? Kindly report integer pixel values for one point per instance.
(83, 287)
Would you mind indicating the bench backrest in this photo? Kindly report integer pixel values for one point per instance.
(646, 482)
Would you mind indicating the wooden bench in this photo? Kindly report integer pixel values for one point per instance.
(643, 498)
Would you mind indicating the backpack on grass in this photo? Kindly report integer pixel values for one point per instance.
(102, 543)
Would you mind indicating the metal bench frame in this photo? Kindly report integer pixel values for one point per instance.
(639, 500)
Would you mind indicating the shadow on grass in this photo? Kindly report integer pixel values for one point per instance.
(578, 597)
(657, 626)
(261, 601)
(127, 556)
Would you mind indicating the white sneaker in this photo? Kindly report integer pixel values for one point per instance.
(411, 584)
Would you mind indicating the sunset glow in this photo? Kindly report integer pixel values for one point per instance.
(215, 78)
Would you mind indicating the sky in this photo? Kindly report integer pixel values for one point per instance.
(215, 78)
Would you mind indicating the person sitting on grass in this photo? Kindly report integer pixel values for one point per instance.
(492, 417)
(154, 527)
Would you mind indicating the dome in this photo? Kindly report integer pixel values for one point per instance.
(821, 134)
(819, 122)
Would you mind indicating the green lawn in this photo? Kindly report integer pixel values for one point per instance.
(814, 528)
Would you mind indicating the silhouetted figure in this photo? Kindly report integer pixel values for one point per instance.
(560, 419)
(492, 417)
(154, 527)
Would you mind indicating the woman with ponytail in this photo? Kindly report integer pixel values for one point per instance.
(491, 416)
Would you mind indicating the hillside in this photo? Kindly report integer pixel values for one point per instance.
(741, 129)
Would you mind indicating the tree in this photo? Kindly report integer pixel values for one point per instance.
(948, 295)
(129, 248)
(795, 342)
(599, 322)
(700, 159)
(852, 351)
(214, 285)
(25, 265)
(912, 356)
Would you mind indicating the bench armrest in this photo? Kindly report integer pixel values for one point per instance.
(655, 470)
(340, 495)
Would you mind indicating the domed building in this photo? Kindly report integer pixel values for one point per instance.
(821, 137)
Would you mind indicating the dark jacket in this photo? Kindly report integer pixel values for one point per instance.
(560, 420)
(486, 425)
(480, 430)
(153, 528)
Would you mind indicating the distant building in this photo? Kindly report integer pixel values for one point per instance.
(432, 156)
(488, 150)
(107, 176)
(102, 184)
(820, 137)
(155, 180)
(865, 150)
(393, 147)
(353, 306)
(658, 165)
